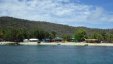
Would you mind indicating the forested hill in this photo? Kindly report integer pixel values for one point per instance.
(10, 22)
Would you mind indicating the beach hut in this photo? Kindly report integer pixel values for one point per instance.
(58, 39)
(71, 39)
(46, 40)
(26, 40)
(34, 40)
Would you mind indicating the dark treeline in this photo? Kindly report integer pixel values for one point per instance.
(17, 35)
(13, 29)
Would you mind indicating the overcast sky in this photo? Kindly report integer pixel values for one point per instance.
(88, 13)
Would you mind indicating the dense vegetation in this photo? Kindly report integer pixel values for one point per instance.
(13, 29)
(102, 36)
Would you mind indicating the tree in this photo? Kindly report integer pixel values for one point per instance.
(40, 34)
(66, 37)
(15, 35)
(104, 35)
(80, 35)
(7, 35)
(97, 36)
(52, 34)
(109, 38)
(1, 33)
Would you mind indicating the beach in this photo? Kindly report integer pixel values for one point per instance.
(70, 43)
(60, 43)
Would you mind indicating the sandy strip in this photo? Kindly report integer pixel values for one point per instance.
(4, 43)
(60, 43)
(70, 43)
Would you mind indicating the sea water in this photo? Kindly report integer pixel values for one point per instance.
(56, 55)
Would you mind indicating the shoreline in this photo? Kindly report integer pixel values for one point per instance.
(60, 43)
(71, 44)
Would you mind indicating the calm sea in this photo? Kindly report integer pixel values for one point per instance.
(55, 55)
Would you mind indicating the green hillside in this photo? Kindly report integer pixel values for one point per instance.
(10, 22)
(11, 27)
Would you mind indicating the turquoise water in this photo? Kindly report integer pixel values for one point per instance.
(55, 55)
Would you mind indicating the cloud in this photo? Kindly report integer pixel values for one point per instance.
(56, 11)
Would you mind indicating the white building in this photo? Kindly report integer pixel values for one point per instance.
(31, 40)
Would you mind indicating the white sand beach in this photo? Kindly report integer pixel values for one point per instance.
(4, 43)
(60, 43)
(70, 43)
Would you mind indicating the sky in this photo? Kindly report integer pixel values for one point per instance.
(87, 13)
